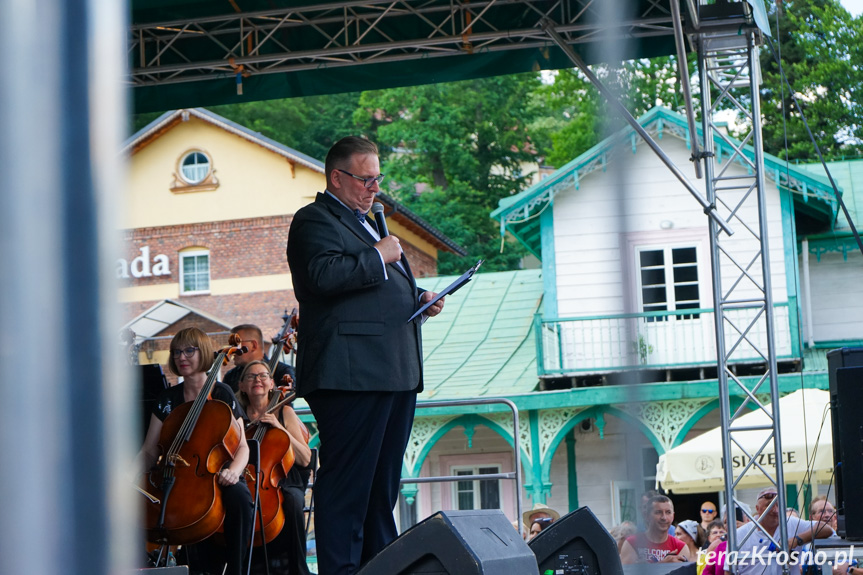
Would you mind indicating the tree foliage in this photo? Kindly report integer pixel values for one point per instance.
(822, 57)
(455, 150)
(574, 115)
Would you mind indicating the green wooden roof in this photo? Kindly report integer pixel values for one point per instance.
(518, 214)
(848, 175)
(483, 344)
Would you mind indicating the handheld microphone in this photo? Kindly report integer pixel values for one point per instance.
(380, 219)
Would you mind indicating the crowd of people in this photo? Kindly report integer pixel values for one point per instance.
(660, 540)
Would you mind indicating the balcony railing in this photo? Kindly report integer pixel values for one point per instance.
(651, 340)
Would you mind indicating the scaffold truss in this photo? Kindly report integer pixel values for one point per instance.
(340, 34)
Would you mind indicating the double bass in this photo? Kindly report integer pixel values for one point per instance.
(197, 439)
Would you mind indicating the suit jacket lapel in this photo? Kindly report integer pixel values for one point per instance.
(347, 217)
(352, 223)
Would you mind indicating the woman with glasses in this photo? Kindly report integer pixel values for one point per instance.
(191, 357)
(256, 388)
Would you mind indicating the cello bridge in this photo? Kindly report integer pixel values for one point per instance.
(177, 458)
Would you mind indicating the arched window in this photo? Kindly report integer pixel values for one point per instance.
(195, 173)
(195, 167)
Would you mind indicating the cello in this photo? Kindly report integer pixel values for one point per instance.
(197, 439)
(276, 452)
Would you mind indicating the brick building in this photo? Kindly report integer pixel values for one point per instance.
(208, 211)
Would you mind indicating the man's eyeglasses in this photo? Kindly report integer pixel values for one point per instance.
(367, 182)
(250, 377)
(543, 520)
(188, 352)
(768, 496)
(708, 510)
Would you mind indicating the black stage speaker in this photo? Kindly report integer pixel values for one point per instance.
(153, 381)
(576, 544)
(845, 368)
(178, 570)
(456, 543)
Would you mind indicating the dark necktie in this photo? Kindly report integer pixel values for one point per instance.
(361, 217)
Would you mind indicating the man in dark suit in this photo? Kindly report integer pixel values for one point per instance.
(359, 360)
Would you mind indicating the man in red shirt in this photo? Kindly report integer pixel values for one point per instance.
(655, 545)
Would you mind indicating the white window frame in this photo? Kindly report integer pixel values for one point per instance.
(194, 253)
(477, 494)
(668, 265)
(616, 510)
(183, 175)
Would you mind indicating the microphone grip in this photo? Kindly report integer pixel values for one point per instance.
(380, 219)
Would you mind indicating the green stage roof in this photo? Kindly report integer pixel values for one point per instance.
(193, 53)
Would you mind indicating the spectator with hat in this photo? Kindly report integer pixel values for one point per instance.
(687, 531)
(540, 511)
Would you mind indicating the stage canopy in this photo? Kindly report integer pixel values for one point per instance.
(191, 53)
(695, 466)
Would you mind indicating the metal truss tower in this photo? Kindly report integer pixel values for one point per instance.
(730, 74)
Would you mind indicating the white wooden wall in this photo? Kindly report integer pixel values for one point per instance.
(837, 297)
(635, 195)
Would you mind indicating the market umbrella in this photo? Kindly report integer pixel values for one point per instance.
(807, 448)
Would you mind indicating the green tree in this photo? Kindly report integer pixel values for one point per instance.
(574, 116)
(822, 57)
(311, 125)
(464, 145)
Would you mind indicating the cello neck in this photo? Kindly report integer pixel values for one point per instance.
(191, 420)
(280, 342)
(262, 430)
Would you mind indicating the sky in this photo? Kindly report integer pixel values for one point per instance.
(853, 6)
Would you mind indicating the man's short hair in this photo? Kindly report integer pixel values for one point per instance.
(259, 335)
(658, 499)
(340, 154)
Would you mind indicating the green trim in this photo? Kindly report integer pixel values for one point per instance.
(839, 242)
(537, 338)
(642, 314)
(792, 271)
(807, 500)
(549, 262)
(598, 412)
(615, 394)
(538, 487)
(466, 420)
(571, 473)
(791, 496)
(735, 402)
(838, 343)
